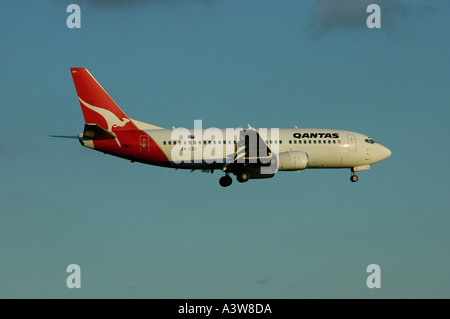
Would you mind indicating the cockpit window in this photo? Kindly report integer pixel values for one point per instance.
(369, 140)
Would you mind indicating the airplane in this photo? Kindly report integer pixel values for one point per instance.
(246, 153)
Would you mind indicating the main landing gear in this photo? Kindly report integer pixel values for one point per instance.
(225, 181)
(241, 177)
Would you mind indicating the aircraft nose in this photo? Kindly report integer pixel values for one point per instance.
(386, 152)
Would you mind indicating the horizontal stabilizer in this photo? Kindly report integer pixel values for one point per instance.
(64, 136)
(95, 132)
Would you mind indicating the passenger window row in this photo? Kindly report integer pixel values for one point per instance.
(314, 142)
(267, 142)
(196, 142)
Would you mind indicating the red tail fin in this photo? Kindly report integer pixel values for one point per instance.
(97, 106)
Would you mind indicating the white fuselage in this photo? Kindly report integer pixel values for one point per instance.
(326, 148)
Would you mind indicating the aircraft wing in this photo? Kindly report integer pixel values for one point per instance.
(250, 150)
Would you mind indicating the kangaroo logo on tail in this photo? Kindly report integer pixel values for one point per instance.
(111, 119)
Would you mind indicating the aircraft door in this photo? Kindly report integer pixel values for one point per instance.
(144, 144)
(351, 143)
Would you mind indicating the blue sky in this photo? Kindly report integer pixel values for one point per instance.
(139, 231)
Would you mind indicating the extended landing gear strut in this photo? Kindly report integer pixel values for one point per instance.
(225, 181)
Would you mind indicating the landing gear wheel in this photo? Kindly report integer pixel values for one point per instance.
(243, 177)
(225, 181)
(354, 178)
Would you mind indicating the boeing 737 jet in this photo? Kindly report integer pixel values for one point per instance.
(246, 153)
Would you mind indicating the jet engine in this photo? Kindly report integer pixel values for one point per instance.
(292, 161)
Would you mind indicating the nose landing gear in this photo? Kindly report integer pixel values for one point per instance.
(354, 178)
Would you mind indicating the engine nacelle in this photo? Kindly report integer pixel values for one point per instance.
(292, 161)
